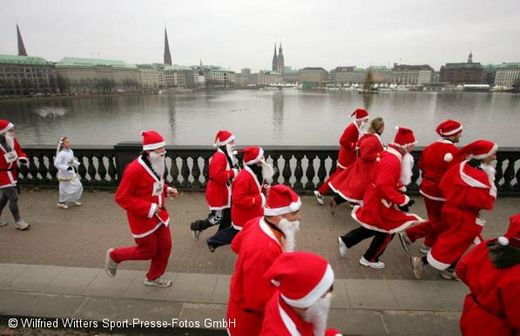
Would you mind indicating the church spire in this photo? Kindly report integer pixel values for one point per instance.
(167, 55)
(280, 49)
(275, 59)
(21, 47)
(470, 57)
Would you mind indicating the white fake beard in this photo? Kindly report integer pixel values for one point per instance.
(158, 163)
(406, 169)
(231, 153)
(9, 138)
(289, 229)
(267, 170)
(490, 171)
(363, 127)
(318, 313)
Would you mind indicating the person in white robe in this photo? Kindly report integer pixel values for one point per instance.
(67, 165)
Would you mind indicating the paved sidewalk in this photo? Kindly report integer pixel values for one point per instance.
(80, 236)
(360, 307)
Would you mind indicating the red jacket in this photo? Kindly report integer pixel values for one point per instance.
(136, 195)
(218, 190)
(8, 170)
(493, 305)
(257, 246)
(434, 162)
(380, 210)
(247, 198)
(281, 320)
(348, 144)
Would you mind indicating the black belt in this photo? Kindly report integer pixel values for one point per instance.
(6, 169)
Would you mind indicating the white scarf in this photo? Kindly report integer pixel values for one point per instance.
(406, 169)
(318, 313)
(289, 229)
(158, 163)
(231, 154)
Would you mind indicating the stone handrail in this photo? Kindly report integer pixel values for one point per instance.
(303, 167)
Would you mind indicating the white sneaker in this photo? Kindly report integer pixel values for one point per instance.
(405, 241)
(417, 267)
(159, 282)
(425, 249)
(62, 206)
(342, 247)
(77, 203)
(319, 197)
(447, 275)
(110, 264)
(376, 265)
(3, 222)
(22, 225)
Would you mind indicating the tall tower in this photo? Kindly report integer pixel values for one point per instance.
(167, 55)
(275, 59)
(470, 57)
(21, 47)
(280, 60)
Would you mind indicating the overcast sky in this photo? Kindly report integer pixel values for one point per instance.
(241, 33)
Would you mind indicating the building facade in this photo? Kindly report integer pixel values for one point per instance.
(463, 73)
(313, 77)
(26, 75)
(507, 75)
(179, 76)
(415, 75)
(268, 78)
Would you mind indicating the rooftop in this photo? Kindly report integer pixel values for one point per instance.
(30, 60)
(462, 65)
(177, 67)
(93, 62)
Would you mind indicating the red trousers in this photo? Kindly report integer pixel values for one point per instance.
(430, 229)
(324, 189)
(156, 246)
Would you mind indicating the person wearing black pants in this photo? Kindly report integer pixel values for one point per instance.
(376, 248)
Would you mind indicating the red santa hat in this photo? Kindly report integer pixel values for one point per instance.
(281, 200)
(302, 278)
(252, 154)
(5, 126)
(479, 150)
(223, 137)
(448, 128)
(512, 236)
(152, 140)
(360, 113)
(404, 137)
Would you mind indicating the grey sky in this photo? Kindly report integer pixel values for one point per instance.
(241, 33)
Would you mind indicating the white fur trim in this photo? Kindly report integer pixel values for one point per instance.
(452, 132)
(236, 227)
(148, 170)
(147, 233)
(470, 180)
(247, 169)
(321, 288)
(257, 159)
(154, 146)
(404, 145)
(395, 152)
(503, 241)
(6, 128)
(293, 207)
(493, 150)
(222, 143)
(448, 157)
(340, 165)
(397, 229)
(480, 221)
(289, 324)
(406, 200)
(348, 199)
(435, 198)
(152, 210)
(264, 200)
(435, 263)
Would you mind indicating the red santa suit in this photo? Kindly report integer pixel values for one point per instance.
(141, 192)
(218, 190)
(468, 190)
(351, 183)
(302, 280)
(248, 197)
(9, 159)
(493, 305)
(257, 246)
(380, 211)
(348, 145)
(434, 162)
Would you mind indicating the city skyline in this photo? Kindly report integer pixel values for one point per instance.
(219, 42)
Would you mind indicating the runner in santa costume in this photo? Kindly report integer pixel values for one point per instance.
(347, 150)
(492, 272)
(11, 154)
(301, 304)
(434, 162)
(248, 195)
(142, 194)
(350, 184)
(469, 187)
(385, 206)
(223, 168)
(262, 241)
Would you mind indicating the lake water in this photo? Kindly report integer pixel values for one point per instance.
(265, 117)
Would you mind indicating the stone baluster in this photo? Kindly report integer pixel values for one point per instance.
(310, 172)
(298, 171)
